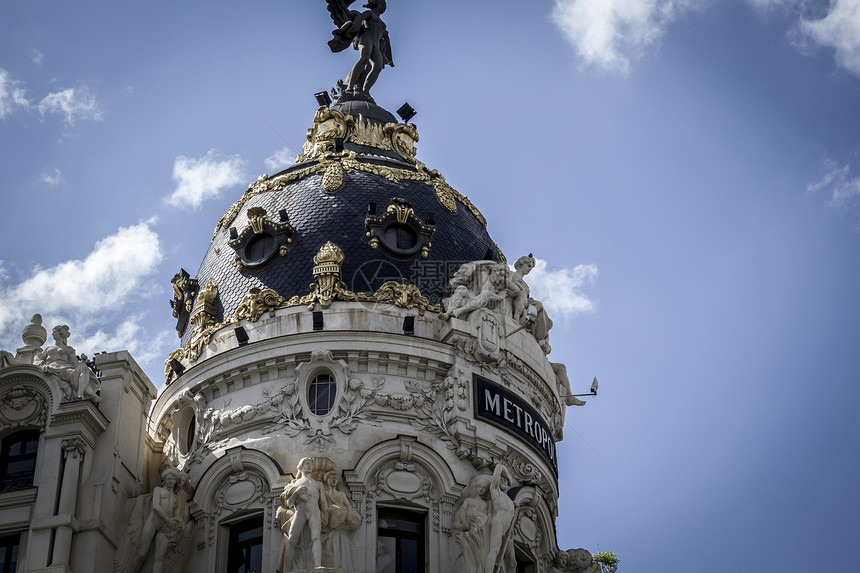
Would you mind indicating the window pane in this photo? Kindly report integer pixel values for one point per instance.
(321, 394)
(409, 556)
(18, 460)
(245, 552)
(9, 553)
(400, 541)
(386, 555)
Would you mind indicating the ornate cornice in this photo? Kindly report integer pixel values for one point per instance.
(81, 412)
(326, 288)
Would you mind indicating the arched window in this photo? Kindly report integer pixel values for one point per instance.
(18, 460)
(321, 394)
(400, 541)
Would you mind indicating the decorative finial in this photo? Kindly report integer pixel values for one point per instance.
(34, 334)
(367, 33)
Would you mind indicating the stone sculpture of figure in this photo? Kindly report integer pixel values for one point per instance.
(166, 521)
(560, 564)
(77, 381)
(340, 519)
(7, 359)
(472, 518)
(306, 498)
(500, 550)
(367, 33)
(581, 561)
(468, 296)
(563, 385)
(518, 290)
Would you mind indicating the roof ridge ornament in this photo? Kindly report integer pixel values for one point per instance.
(366, 32)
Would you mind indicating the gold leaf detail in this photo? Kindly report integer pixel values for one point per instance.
(256, 302)
(404, 294)
(333, 177)
(370, 134)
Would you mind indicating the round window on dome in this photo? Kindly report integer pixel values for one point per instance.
(400, 238)
(260, 248)
(322, 391)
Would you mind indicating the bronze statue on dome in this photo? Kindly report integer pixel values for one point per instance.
(367, 33)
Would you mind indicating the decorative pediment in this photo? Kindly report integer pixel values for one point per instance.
(405, 470)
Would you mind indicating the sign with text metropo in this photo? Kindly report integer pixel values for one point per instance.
(501, 408)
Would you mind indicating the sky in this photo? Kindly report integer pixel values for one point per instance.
(687, 174)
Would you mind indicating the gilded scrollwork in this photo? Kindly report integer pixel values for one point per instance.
(333, 177)
(370, 134)
(502, 256)
(327, 285)
(257, 217)
(257, 302)
(406, 295)
(348, 161)
(329, 124)
(178, 355)
(184, 290)
(403, 138)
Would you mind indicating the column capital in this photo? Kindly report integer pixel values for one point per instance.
(75, 447)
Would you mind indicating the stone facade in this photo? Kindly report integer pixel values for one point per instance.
(91, 454)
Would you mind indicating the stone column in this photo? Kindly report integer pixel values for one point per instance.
(73, 451)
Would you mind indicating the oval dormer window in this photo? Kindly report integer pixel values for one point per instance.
(260, 248)
(322, 391)
(401, 239)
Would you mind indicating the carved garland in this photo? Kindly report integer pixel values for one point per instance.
(436, 409)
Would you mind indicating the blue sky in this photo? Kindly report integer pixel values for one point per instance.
(688, 173)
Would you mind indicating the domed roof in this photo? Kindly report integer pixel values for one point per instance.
(358, 185)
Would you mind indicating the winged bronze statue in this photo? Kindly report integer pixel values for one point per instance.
(367, 33)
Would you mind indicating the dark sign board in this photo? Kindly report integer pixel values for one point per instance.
(504, 409)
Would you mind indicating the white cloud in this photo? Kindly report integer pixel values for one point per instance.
(51, 179)
(609, 34)
(37, 57)
(73, 104)
(80, 292)
(560, 290)
(199, 179)
(839, 30)
(12, 95)
(770, 4)
(844, 190)
(281, 159)
(127, 335)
